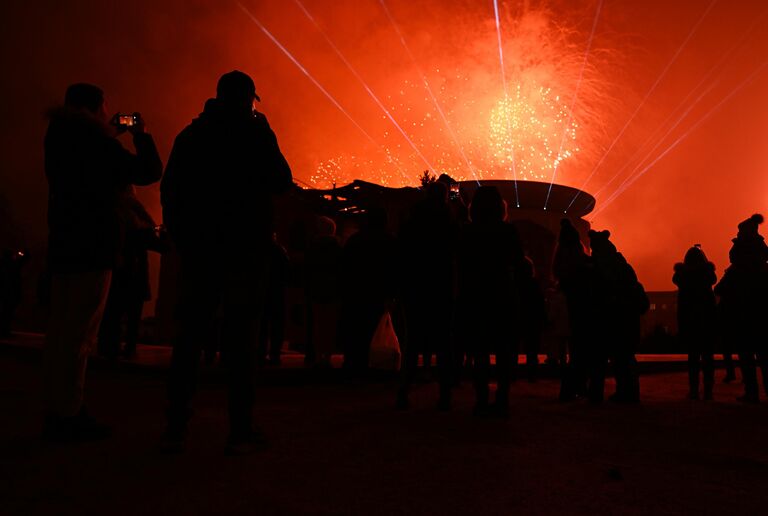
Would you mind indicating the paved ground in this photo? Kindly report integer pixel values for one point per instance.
(342, 449)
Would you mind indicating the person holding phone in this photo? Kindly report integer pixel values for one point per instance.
(87, 170)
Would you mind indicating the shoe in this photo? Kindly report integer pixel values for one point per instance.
(173, 440)
(78, 428)
(239, 444)
(748, 399)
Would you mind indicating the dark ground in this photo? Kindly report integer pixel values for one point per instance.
(342, 449)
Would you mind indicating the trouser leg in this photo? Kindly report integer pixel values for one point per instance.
(578, 363)
(596, 371)
(503, 370)
(240, 364)
(77, 305)
(708, 372)
(749, 374)
(132, 324)
(481, 370)
(310, 353)
(730, 369)
(196, 315)
(243, 302)
(693, 373)
(277, 328)
(531, 346)
(410, 360)
(263, 341)
(627, 380)
(445, 370)
(111, 321)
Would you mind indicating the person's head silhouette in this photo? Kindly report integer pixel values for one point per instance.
(236, 90)
(86, 97)
(695, 256)
(487, 206)
(600, 244)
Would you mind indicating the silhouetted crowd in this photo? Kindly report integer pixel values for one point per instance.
(454, 282)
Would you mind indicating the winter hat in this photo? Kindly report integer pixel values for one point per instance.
(695, 255)
(748, 228)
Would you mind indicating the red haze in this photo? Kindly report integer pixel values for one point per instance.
(163, 59)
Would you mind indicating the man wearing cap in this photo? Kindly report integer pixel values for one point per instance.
(217, 196)
(87, 170)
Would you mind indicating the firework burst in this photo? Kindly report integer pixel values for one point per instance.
(465, 124)
(527, 126)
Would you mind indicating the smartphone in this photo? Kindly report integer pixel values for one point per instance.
(126, 120)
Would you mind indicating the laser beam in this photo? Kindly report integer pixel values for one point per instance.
(644, 99)
(573, 101)
(682, 137)
(660, 140)
(363, 83)
(439, 109)
(317, 84)
(506, 96)
(723, 59)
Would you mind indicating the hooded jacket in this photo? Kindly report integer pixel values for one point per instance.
(88, 170)
(696, 310)
(221, 176)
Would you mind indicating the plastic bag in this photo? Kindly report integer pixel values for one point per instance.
(385, 348)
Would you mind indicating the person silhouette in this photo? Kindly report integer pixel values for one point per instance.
(130, 286)
(620, 301)
(426, 249)
(533, 317)
(368, 286)
(696, 317)
(87, 170)
(490, 262)
(743, 292)
(323, 262)
(574, 271)
(272, 327)
(223, 172)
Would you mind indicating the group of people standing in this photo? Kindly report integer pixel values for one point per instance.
(216, 193)
(735, 323)
(464, 287)
(479, 298)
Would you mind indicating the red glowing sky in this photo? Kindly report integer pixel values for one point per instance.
(163, 58)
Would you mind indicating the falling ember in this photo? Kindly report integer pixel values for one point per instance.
(527, 127)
